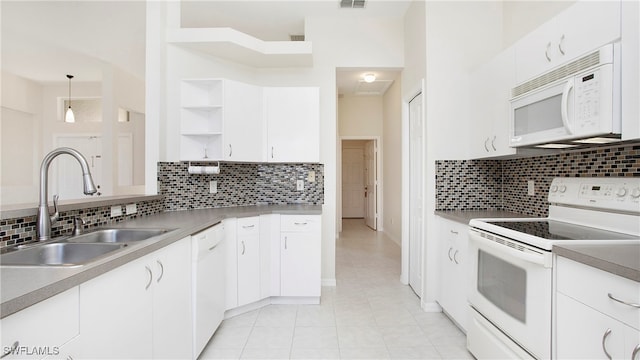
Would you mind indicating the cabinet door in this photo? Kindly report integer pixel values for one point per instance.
(581, 330)
(248, 268)
(231, 258)
(300, 264)
(172, 317)
(292, 115)
(116, 313)
(453, 270)
(243, 131)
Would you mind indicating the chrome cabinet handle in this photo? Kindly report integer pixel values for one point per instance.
(243, 248)
(213, 247)
(623, 302)
(272, 152)
(449, 254)
(247, 226)
(12, 349)
(161, 270)
(604, 343)
(546, 52)
(635, 352)
(300, 224)
(560, 44)
(485, 145)
(453, 232)
(454, 257)
(150, 277)
(230, 150)
(493, 143)
(285, 243)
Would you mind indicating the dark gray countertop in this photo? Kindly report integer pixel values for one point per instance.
(21, 287)
(618, 259)
(464, 216)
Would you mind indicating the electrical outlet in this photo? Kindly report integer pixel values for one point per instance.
(116, 210)
(531, 188)
(131, 209)
(300, 185)
(311, 176)
(213, 187)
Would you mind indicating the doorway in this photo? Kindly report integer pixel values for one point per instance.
(360, 180)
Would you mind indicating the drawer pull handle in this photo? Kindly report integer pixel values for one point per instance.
(247, 226)
(11, 350)
(453, 232)
(604, 343)
(300, 223)
(623, 302)
(635, 352)
(213, 247)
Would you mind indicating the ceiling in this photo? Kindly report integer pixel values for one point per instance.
(45, 40)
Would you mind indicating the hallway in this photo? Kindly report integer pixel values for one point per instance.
(368, 315)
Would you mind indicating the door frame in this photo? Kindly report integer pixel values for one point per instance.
(380, 188)
(419, 90)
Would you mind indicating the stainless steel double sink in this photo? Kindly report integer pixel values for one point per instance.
(77, 250)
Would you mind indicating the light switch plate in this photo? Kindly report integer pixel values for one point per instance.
(116, 210)
(131, 209)
(213, 187)
(300, 185)
(531, 188)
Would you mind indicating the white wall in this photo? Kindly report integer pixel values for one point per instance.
(392, 162)
(360, 115)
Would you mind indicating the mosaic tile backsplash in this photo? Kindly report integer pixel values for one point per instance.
(502, 184)
(239, 185)
(23, 230)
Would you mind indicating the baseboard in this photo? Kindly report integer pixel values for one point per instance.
(393, 238)
(275, 300)
(328, 282)
(430, 306)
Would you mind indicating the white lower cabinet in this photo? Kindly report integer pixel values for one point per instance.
(248, 249)
(453, 245)
(300, 255)
(141, 309)
(41, 329)
(589, 324)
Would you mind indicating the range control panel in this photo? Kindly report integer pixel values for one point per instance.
(622, 194)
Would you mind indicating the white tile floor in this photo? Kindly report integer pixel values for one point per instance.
(368, 315)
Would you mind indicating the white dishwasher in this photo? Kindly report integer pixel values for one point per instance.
(208, 282)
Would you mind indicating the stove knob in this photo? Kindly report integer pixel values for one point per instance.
(563, 188)
(635, 193)
(554, 188)
(621, 192)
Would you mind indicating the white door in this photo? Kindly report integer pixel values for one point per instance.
(416, 181)
(68, 173)
(353, 183)
(371, 184)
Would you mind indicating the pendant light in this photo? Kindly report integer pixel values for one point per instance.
(68, 117)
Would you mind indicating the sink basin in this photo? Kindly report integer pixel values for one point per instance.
(58, 254)
(116, 235)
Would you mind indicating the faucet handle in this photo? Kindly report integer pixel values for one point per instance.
(56, 214)
(78, 224)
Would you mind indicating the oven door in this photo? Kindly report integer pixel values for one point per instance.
(511, 288)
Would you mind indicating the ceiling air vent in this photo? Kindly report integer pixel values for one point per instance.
(355, 4)
(296, 37)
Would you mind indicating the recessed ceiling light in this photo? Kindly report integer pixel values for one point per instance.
(369, 78)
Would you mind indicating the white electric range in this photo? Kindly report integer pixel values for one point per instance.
(511, 262)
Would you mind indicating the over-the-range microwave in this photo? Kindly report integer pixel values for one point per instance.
(572, 105)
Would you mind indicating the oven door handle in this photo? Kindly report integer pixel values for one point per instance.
(540, 259)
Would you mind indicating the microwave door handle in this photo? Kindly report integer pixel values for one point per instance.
(564, 110)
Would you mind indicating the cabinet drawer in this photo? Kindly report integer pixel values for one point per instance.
(248, 226)
(47, 324)
(592, 287)
(300, 223)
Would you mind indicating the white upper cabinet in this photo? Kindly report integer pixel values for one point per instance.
(293, 124)
(490, 91)
(243, 124)
(576, 31)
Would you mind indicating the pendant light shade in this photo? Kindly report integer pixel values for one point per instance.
(68, 116)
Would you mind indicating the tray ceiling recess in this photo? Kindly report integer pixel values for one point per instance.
(230, 44)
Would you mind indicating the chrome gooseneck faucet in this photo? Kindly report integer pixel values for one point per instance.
(44, 219)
